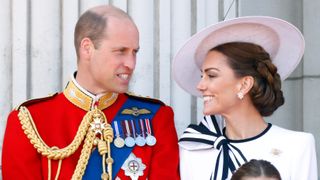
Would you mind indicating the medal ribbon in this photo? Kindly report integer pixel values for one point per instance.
(142, 128)
(128, 133)
(133, 129)
(148, 126)
(116, 128)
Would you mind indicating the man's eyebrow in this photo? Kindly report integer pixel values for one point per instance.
(123, 47)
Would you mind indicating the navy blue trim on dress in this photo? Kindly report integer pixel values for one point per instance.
(208, 132)
(248, 139)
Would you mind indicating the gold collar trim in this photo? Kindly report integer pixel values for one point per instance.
(85, 100)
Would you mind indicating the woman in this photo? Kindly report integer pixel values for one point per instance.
(257, 169)
(241, 63)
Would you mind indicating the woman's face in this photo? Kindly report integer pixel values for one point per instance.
(219, 85)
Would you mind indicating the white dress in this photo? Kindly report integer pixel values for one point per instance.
(292, 153)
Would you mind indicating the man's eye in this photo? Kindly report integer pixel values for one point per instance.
(120, 51)
(135, 52)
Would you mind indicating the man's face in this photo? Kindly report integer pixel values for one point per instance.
(113, 61)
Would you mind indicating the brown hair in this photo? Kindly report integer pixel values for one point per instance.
(92, 24)
(256, 168)
(247, 59)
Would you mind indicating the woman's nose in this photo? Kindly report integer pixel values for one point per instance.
(201, 85)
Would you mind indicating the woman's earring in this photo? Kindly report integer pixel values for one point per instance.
(240, 95)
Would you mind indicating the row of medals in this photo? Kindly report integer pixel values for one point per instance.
(134, 138)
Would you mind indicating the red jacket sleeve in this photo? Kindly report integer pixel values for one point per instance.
(165, 157)
(20, 159)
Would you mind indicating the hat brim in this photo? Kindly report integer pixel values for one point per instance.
(282, 40)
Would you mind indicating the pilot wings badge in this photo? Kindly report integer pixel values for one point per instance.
(135, 111)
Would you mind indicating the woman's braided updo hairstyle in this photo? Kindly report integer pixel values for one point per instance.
(247, 59)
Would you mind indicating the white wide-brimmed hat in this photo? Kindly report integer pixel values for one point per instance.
(282, 40)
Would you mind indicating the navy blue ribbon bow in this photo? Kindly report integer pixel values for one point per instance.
(209, 135)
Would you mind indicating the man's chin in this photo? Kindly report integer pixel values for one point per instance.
(121, 90)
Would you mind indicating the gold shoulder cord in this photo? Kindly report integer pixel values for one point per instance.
(98, 122)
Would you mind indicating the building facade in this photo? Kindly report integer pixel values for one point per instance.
(37, 56)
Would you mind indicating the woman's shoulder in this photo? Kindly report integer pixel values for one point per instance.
(297, 136)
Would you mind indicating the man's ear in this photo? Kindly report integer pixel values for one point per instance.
(86, 48)
(246, 84)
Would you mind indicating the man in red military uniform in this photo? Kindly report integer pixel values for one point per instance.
(93, 129)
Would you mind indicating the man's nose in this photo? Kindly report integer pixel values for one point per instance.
(130, 62)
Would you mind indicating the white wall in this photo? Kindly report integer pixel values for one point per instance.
(311, 72)
(5, 66)
(37, 55)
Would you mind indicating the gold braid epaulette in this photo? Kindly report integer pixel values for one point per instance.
(85, 154)
(54, 153)
(30, 130)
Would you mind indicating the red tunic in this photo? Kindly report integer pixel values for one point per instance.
(57, 121)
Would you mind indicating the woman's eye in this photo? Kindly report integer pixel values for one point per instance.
(211, 76)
